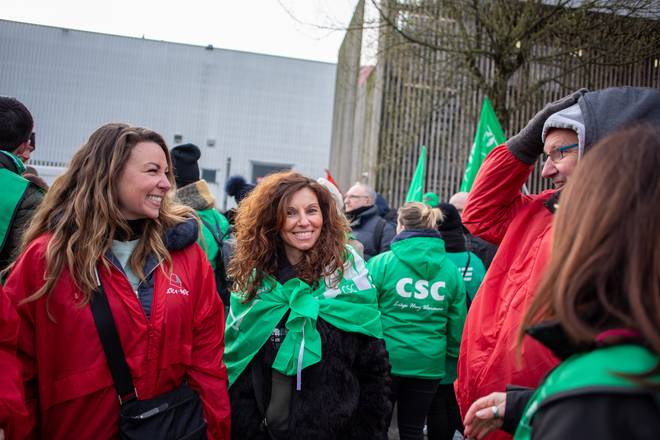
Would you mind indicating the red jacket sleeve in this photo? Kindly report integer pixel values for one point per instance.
(208, 374)
(25, 278)
(12, 398)
(495, 197)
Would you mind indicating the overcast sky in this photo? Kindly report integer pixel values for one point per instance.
(291, 28)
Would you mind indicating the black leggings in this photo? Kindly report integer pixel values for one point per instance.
(414, 398)
(444, 416)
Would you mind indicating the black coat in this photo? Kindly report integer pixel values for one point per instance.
(345, 396)
(365, 224)
(481, 248)
(458, 239)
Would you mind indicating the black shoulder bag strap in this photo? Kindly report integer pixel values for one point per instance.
(467, 265)
(105, 325)
(221, 278)
(468, 301)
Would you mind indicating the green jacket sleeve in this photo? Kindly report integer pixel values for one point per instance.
(456, 318)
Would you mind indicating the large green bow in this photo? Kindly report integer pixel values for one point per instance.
(302, 345)
(351, 306)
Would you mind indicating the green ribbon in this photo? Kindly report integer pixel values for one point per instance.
(350, 306)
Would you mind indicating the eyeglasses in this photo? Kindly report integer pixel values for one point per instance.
(558, 153)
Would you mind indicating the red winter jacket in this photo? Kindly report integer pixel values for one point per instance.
(12, 399)
(70, 393)
(521, 224)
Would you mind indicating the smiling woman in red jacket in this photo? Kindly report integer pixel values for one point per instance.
(111, 213)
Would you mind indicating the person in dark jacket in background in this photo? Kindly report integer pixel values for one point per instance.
(469, 265)
(303, 338)
(384, 210)
(369, 228)
(20, 197)
(597, 308)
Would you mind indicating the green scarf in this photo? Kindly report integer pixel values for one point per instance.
(20, 166)
(351, 306)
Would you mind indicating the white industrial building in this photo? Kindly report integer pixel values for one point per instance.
(249, 113)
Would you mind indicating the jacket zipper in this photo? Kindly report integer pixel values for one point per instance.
(150, 327)
(135, 292)
(148, 320)
(153, 297)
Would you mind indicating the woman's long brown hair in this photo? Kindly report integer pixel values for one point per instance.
(81, 211)
(257, 225)
(604, 271)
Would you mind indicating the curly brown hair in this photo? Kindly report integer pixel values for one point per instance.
(257, 225)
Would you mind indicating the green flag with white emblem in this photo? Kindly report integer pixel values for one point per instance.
(489, 135)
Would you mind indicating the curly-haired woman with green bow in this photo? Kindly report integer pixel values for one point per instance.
(304, 351)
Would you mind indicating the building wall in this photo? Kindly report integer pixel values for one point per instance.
(345, 149)
(252, 107)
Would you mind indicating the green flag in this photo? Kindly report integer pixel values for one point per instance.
(416, 189)
(489, 135)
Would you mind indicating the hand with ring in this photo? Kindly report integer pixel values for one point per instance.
(485, 415)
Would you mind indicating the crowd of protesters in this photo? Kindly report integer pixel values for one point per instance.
(131, 307)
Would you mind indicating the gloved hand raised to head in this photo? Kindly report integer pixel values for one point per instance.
(527, 144)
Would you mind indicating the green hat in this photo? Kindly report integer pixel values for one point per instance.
(431, 199)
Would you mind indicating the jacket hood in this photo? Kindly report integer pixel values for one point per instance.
(182, 235)
(570, 118)
(381, 205)
(196, 195)
(608, 110)
(553, 336)
(454, 240)
(422, 250)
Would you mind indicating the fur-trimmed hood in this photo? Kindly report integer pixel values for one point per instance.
(182, 235)
(196, 195)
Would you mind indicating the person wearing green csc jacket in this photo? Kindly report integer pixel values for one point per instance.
(469, 265)
(421, 298)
